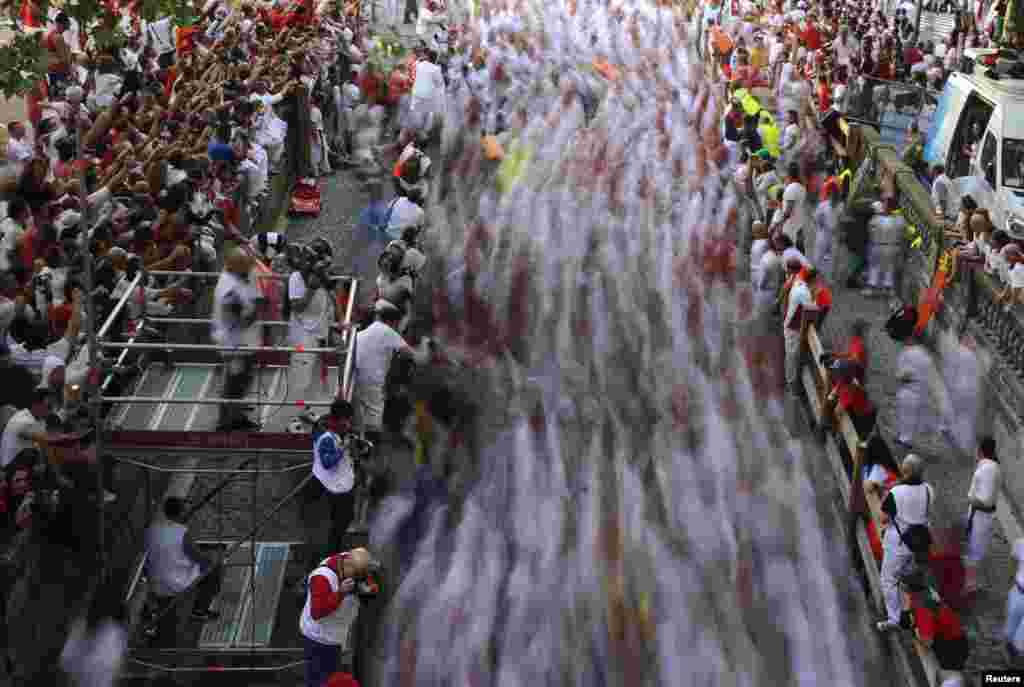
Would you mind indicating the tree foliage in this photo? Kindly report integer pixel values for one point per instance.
(23, 59)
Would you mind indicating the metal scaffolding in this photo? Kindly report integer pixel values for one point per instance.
(132, 354)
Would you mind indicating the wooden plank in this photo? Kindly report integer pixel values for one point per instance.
(811, 389)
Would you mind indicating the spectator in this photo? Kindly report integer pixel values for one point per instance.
(175, 565)
(376, 347)
(907, 507)
(19, 147)
(27, 428)
(941, 192)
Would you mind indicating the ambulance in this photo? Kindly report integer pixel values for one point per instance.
(978, 134)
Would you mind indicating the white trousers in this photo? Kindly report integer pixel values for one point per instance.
(911, 412)
(369, 406)
(823, 258)
(792, 340)
(883, 261)
(304, 371)
(980, 536)
(897, 562)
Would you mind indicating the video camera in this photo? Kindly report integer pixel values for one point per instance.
(313, 261)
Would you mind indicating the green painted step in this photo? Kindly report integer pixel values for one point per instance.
(249, 598)
(190, 384)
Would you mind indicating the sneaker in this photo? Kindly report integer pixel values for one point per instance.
(204, 616)
(109, 496)
(886, 626)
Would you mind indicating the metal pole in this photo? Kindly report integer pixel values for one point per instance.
(216, 490)
(94, 400)
(197, 320)
(917, 22)
(124, 354)
(216, 275)
(120, 304)
(211, 347)
(349, 363)
(213, 401)
(348, 341)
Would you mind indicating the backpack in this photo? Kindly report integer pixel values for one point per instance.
(918, 538)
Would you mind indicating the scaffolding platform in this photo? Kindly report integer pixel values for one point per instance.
(173, 408)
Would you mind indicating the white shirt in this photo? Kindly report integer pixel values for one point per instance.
(12, 232)
(95, 660)
(19, 151)
(1016, 274)
(986, 482)
(914, 505)
(340, 478)
(170, 569)
(940, 193)
(375, 347)
(21, 423)
(796, 194)
(333, 629)
(226, 331)
(313, 322)
(800, 298)
(792, 252)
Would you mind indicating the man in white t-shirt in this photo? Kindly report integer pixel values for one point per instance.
(376, 347)
(982, 498)
(794, 211)
(19, 147)
(908, 504)
(26, 428)
(312, 313)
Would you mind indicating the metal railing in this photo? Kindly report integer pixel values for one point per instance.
(104, 340)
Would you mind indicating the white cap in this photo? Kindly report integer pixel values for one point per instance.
(382, 306)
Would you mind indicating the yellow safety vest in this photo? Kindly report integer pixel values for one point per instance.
(770, 138)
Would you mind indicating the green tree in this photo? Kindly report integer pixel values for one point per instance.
(23, 60)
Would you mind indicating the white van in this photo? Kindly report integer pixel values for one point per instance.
(978, 132)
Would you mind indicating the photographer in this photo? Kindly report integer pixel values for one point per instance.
(399, 266)
(312, 312)
(333, 592)
(235, 307)
(328, 500)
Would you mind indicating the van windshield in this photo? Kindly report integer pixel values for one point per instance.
(1013, 163)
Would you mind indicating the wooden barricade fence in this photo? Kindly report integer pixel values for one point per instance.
(839, 432)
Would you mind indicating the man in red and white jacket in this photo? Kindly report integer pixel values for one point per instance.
(332, 606)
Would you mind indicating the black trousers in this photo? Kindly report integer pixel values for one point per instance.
(326, 518)
(237, 379)
(208, 587)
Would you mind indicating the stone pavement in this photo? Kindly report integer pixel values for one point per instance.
(947, 471)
